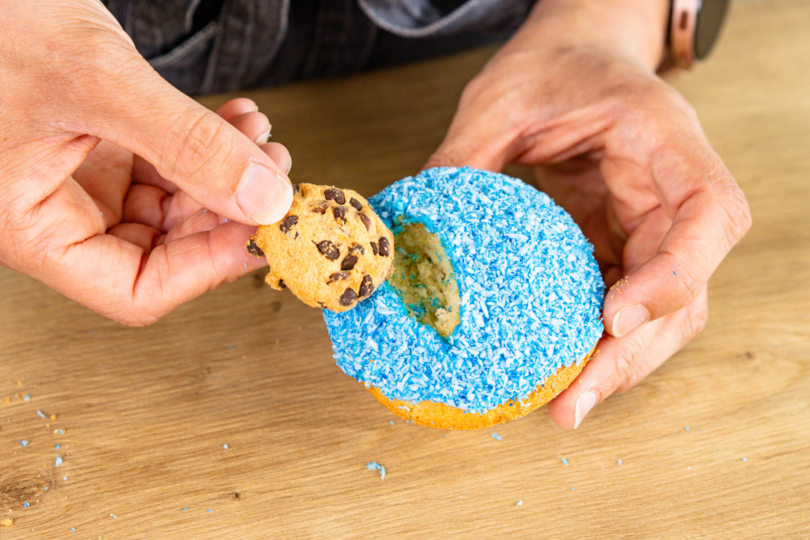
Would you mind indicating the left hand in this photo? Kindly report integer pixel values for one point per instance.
(574, 93)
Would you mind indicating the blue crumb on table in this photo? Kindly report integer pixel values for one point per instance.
(497, 437)
(564, 461)
(686, 428)
(619, 462)
(374, 466)
(58, 461)
(531, 295)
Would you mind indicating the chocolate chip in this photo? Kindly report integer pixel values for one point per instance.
(374, 248)
(281, 284)
(366, 286)
(355, 249)
(337, 276)
(253, 248)
(384, 247)
(295, 188)
(287, 223)
(348, 298)
(320, 209)
(328, 249)
(334, 194)
(340, 213)
(348, 263)
(366, 221)
(355, 204)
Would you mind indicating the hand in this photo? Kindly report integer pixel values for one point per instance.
(107, 173)
(574, 93)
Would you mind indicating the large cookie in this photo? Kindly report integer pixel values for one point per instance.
(331, 250)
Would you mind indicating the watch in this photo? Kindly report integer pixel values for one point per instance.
(693, 28)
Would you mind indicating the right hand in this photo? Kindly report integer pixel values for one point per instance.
(116, 189)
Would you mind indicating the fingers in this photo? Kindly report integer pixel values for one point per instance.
(137, 290)
(620, 363)
(190, 146)
(237, 107)
(710, 215)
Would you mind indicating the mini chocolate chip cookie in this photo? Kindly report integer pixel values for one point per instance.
(331, 250)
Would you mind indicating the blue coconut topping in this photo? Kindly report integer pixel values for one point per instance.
(531, 295)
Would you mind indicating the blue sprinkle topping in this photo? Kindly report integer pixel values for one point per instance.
(745, 459)
(520, 503)
(64, 478)
(565, 461)
(686, 428)
(374, 466)
(186, 508)
(619, 462)
(61, 432)
(58, 461)
(391, 422)
(73, 529)
(225, 446)
(26, 397)
(22, 443)
(210, 511)
(26, 505)
(58, 446)
(40, 414)
(531, 295)
(497, 437)
(673, 273)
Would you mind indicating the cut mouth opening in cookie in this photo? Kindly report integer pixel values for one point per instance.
(424, 279)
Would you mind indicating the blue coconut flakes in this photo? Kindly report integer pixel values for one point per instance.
(531, 295)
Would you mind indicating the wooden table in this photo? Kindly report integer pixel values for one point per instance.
(716, 444)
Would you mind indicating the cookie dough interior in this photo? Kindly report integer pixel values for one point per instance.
(424, 278)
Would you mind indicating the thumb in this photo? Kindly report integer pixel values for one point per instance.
(478, 137)
(189, 145)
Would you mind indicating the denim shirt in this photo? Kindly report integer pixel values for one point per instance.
(207, 46)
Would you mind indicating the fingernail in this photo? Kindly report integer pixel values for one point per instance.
(585, 403)
(262, 139)
(628, 319)
(263, 195)
(288, 168)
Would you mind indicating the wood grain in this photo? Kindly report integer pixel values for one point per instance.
(146, 411)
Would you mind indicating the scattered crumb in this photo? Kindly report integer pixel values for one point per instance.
(53, 417)
(58, 446)
(58, 461)
(745, 459)
(564, 461)
(391, 422)
(619, 462)
(23, 443)
(232, 347)
(209, 511)
(519, 503)
(374, 466)
(186, 508)
(113, 516)
(26, 505)
(686, 428)
(8, 522)
(225, 446)
(41, 414)
(26, 397)
(497, 437)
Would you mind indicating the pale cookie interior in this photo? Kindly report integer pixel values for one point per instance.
(424, 279)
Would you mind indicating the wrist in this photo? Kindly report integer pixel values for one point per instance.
(634, 29)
